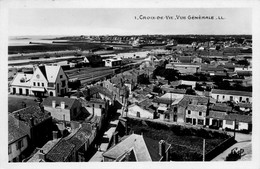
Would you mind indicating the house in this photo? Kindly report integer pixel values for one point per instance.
(36, 122)
(74, 147)
(163, 104)
(45, 81)
(113, 62)
(222, 120)
(39, 156)
(17, 140)
(190, 109)
(231, 95)
(62, 108)
(137, 148)
(144, 109)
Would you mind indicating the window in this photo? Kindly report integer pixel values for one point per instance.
(200, 113)
(189, 112)
(34, 84)
(229, 122)
(200, 122)
(38, 84)
(217, 97)
(247, 99)
(9, 150)
(138, 114)
(240, 99)
(223, 97)
(50, 84)
(231, 98)
(175, 109)
(42, 84)
(63, 83)
(19, 144)
(61, 76)
(188, 120)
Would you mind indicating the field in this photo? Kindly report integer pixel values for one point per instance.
(187, 143)
(16, 102)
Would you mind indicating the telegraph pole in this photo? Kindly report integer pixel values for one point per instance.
(203, 153)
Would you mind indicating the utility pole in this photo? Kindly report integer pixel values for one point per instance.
(203, 153)
(235, 129)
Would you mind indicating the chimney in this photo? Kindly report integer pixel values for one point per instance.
(162, 148)
(62, 105)
(42, 155)
(115, 136)
(54, 135)
(54, 103)
(32, 121)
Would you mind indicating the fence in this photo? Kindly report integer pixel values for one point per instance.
(220, 148)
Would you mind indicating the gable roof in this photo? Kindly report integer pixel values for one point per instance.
(46, 148)
(221, 107)
(15, 132)
(50, 72)
(61, 151)
(194, 100)
(239, 118)
(231, 92)
(198, 108)
(34, 112)
(22, 79)
(68, 101)
(216, 115)
(144, 148)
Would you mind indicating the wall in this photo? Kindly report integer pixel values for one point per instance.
(231, 126)
(180, 114)
(132, 111)
(58, 113)
(15, 153)
(227, 98)
(23, 90)
(195, 114)
(58, 81)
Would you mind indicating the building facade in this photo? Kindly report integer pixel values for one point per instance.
(45, 81)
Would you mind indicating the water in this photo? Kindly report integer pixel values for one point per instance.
(25, 40)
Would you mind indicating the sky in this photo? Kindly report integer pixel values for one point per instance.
(121, 21)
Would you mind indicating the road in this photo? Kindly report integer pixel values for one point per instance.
(244, 141)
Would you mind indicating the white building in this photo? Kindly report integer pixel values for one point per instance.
(45, 81)
(112, 62)
(231, 95)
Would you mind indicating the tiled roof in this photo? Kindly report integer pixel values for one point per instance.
(221, 107)
(61, 151)
(46, 148)
(68, 101)
(144, 148)
(162, 100)
(239, 117)
(15, 132)
(198, 108)
(231, 92)
(195, 100)
(34, 112)
(216, 114)
(245, 105)
(173, 90)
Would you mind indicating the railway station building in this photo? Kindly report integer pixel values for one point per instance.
(45, 81)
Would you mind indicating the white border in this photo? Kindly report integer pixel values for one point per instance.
(5, 5)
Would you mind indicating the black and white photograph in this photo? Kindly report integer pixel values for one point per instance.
(105, 83)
